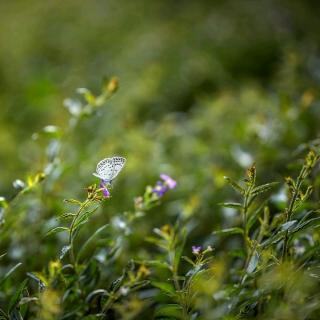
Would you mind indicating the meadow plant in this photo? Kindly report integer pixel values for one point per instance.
(263, 265)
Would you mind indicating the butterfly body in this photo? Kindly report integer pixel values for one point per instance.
(108, 168)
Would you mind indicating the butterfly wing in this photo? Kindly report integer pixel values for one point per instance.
(104, 169)
(109, 168)
(118, 164)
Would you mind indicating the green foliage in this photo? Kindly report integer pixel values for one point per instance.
(99, 275)
(209, 90)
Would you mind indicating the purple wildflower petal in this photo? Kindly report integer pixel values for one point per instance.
(105, 191)
(168, 181)
(196, 250)
(160, 189)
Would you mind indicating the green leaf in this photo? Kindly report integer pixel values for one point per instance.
(288, 225)
(253, 262)
(91, 238)
(228, 231)
(233, 205)
(84, 218)
(263, 188)
(158, 242)
(237, 253)
(80, 221)
(116, 284)
(73, 201)
(275, 238)
(164, 286)
(306, 224)
(139, 284)
(188, 260)
(3, 255)
(39, 278)
(64, 251)
(15, 298)
(88, 96)
(155, 263)
(179, 250)
(12, 270)
(169, 310)
(96, 293)
(67, 215)
(26, 300)
(307, 214)
(255, 215)
(56, 230)
(235, 185)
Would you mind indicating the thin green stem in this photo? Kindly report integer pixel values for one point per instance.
(112, 298)
(245, 219)
(246, 204)
(290, 210)
(71, 231)
(181, 292)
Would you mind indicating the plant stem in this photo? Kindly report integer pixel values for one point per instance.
(181, 293)
(290, 210)
(246, 204)
(71, 238)
(245, 220)
(112, 297)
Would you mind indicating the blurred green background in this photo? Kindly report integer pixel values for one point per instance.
(206, 88)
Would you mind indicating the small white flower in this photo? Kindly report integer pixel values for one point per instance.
(124, 291)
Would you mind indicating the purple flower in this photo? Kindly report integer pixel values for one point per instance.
(168, 181)
(163, 186)
(105, 191)
(160, 189)
(196, 250)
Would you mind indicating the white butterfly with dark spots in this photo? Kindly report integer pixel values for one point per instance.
(109, 168)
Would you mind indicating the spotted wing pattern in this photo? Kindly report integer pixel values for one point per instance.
(109, 168)
(118, 164)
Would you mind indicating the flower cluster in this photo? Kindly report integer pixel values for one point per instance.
(105, 191)
(197, 250)
(164, 185)
(98, 192)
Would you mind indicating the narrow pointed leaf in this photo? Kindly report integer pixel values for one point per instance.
(314, 222)
(64, 251)
(263, 188)
(16, 297)
(8, 274)
(288, 225)
(56, 230)
(169, 311)
(91, 238)
(233, 205)
(73, 201)
(164, 286)
(253, 262)
(228, 231)
(235, 185)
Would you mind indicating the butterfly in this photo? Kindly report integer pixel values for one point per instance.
(108, 168)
